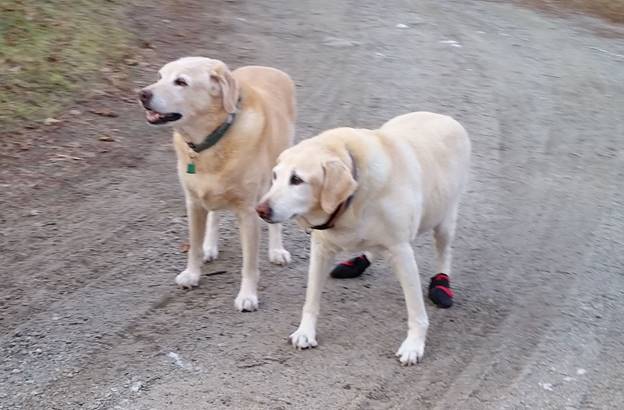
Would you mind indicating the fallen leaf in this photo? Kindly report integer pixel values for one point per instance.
(145, 44)
(184, 247)
(104, 112)
(106, 138)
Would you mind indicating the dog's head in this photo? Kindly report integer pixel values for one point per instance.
(189, 88)
(309, 181)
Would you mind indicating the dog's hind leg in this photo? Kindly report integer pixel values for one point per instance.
(444, 234)
(440, 292)
(211, 240)
(249, 223)
(277, 254)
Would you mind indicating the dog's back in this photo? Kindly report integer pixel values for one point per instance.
(442, 148)
(277, 90)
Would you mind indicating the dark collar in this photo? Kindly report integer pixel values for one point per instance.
(341, 208)
(216, 135)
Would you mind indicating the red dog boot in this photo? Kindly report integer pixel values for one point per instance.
(351, 268)
(440, 291)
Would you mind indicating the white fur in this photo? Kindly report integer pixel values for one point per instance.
(410, 174)
(211, 240)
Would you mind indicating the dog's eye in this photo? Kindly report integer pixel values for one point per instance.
(274, 176)
(295, 180)
(180, 82)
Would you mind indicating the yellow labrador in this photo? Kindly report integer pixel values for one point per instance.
(229, 128)
(360, 189)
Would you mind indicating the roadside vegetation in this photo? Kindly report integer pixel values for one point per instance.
(50, 51)
(54, 51)
(611, 10)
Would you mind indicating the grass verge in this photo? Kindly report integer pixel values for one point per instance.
(612, 10)
(50, 50)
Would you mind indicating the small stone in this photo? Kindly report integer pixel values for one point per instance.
(75, 112)
(339, 42)
(136, 386)
(51, 121)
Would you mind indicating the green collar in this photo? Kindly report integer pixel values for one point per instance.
(216, 135)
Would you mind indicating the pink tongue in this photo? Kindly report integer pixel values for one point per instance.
(152, 116)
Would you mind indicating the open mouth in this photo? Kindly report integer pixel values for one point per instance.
(156, 118)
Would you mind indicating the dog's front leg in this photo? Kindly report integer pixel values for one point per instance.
(321, 260)
(196, 215)
(406, 269)
(249, 223)
(277, 254)
(211, 241)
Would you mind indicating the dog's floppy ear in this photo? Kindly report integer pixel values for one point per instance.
(228, 85)
(338, 185)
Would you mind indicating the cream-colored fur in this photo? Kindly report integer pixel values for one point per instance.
(406, 178)
(233, 174)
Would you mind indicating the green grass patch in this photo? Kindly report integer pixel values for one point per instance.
(50, 50)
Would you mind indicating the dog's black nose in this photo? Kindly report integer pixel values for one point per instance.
(145, 96)
(264, 211)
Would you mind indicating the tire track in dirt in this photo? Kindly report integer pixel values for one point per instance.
(542, 217)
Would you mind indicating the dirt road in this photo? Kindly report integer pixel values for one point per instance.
(90, 315)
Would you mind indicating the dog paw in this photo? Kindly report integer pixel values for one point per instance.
(279, 256)
(303, 339)
(246, 302)
(187, 279)
(411, 351)
(211, 253)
